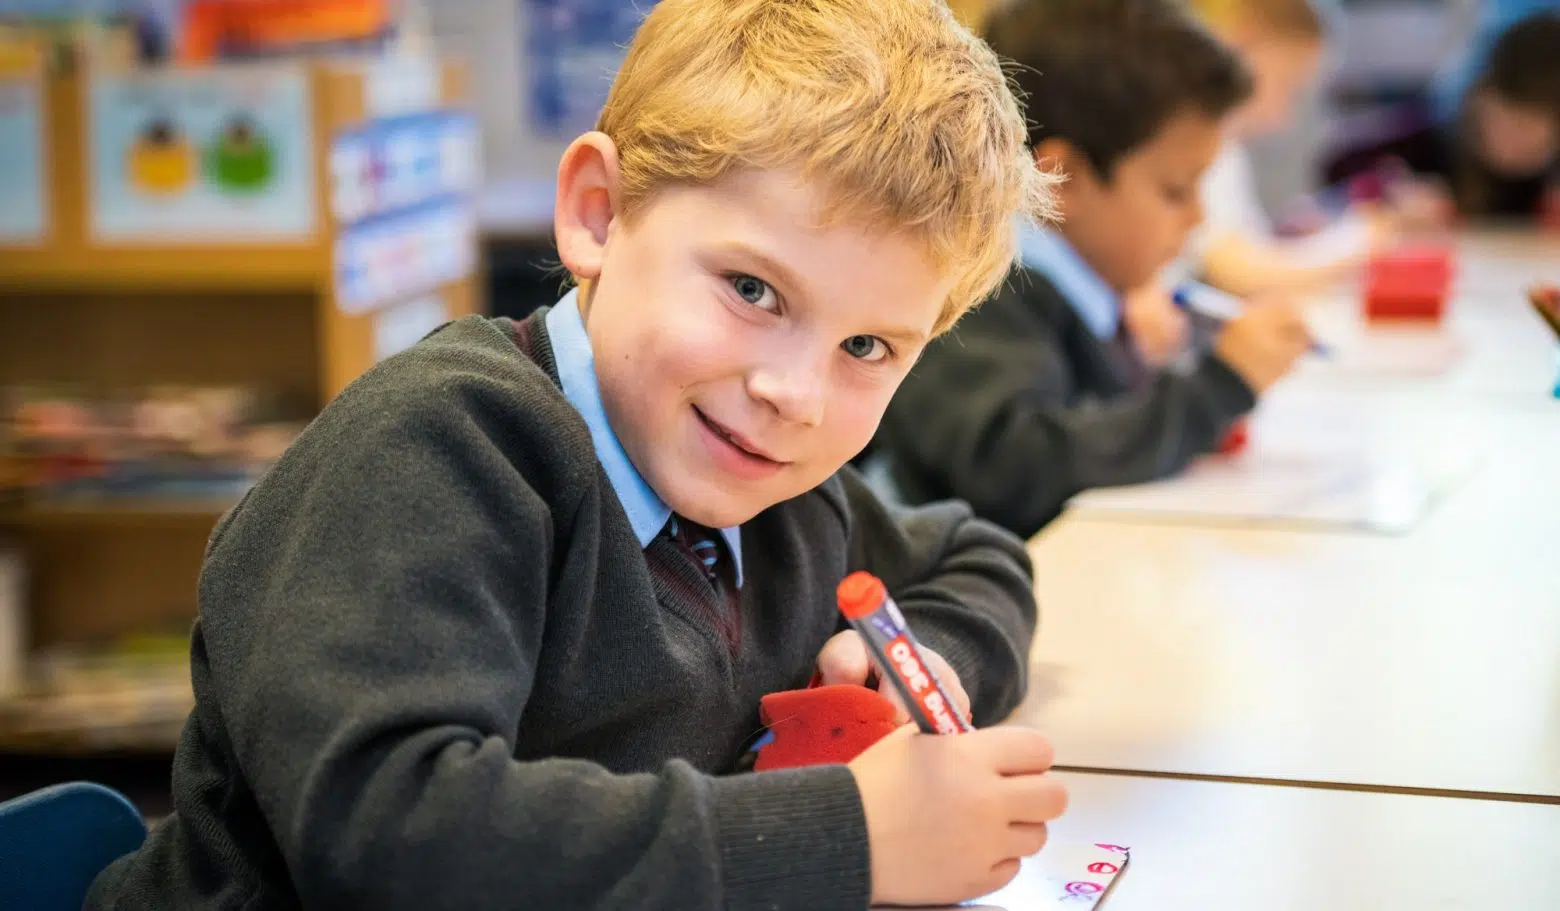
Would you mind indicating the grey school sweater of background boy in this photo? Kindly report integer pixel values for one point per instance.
(1038, 395)
(435, 668)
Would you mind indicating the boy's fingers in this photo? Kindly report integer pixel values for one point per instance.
(844, 660)
(1028, 838)
(887, 690)
(1013, 750)
(1034, 799)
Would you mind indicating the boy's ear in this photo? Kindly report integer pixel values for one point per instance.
(587, 203)
(1058, 156)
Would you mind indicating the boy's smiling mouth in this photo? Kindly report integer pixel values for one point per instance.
(735, 452)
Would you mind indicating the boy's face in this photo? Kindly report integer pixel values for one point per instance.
(1282, 68)
(745, 354)
(1513, 140)
(1130, 226)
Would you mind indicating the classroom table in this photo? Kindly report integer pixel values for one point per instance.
(1219, 846)
(1429, 659)
(1425, 659)
(1500, 352)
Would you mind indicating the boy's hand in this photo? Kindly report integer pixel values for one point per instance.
(1422, 205)
(1158, 326)
(1383, 226)
(950, 817)
(844, 660)
(1263, 343)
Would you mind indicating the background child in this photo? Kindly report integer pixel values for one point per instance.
(494, 629)
(1236, 248)
(1495, 149)
(1039, 394)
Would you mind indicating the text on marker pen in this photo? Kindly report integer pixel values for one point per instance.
(864, 601)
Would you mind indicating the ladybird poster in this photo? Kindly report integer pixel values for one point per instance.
(215, 155)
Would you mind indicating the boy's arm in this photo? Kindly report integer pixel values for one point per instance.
(965, 586)
(990, 420)
(373, 619)
(1244, 266)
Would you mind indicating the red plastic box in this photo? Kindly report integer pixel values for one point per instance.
(1409, 284)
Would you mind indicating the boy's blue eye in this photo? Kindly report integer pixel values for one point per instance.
(755, 291)
(865, 348)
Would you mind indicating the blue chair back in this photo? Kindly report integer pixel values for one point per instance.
(54, 842)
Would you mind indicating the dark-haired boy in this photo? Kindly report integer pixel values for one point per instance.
(1039, 394)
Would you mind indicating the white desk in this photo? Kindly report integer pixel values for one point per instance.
(1425, 660)
(1507, 353)
(1429, 660)
(1214, 846)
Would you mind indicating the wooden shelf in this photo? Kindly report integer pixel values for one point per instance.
(128, 513)
(88, 307)
(148, 739)
(262, 269)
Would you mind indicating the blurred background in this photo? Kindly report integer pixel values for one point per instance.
(215, 213)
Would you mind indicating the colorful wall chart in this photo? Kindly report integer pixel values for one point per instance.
(401, 162)
(573, 49)
(24, 215)
(219, 155)
(415, 249)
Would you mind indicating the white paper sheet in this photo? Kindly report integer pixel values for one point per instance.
(1061, 876)
(1332, 477)
(1371, 352)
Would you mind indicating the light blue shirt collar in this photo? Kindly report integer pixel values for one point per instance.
(647, 512)
(1047, 252)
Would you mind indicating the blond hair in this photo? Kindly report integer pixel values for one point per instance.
(900, 115)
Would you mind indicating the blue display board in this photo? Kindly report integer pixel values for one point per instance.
(573, 48)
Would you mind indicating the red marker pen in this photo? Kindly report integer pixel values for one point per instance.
(866, 604)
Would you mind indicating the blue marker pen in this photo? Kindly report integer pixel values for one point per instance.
(1194, 297)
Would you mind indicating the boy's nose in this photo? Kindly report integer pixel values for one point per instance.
(793, 387)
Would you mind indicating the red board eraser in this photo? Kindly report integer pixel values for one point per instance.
(822, 725)
(1411, 283)
(1235, 440)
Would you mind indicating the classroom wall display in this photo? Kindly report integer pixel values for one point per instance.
(389, 256)
(400, 326)
(401, 85)
(216, 155)
(24, 215)
(573, 48)
(401, 162)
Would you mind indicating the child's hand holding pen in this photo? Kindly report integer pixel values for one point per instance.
(1261, 341)
(1160, 328)
(949, 818)
(844, 659)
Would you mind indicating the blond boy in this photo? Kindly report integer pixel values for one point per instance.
(494, 632)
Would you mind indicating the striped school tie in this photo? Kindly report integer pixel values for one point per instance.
(707, 549)
(703, 544)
